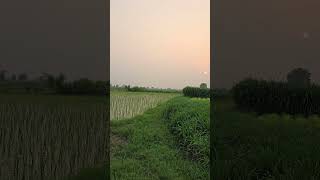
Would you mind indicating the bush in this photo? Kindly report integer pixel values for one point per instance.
(276, 97)
(188, 119)
(196, 92)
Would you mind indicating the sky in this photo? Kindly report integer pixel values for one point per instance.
(160, 43)
(67, 36)
(265, 39)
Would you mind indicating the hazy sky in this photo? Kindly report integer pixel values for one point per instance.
(265, 39)
(67, 36)
(160, 43)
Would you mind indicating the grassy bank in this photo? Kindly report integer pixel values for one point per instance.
(264, 147)
(144, 148)
(188, 119)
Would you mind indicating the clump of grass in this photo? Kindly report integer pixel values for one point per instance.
(188, 120)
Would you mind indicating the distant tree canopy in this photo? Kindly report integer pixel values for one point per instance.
(48, 83)
(13, 77)
(264, 96)
(196, 92)
(203, 86)
(143, 89)
(23, 77)
(299, 78)
(3, 75)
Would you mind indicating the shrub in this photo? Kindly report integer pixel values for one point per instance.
(276, 97)
(188, 119)
(196, 92)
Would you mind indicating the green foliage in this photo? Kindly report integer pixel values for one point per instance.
(203, 86)
(299, 78)
(143, 89)
(196, 92)
(50, 84)
(23, 77)
(188, 120)
(276, 97)
(271, 146)
(3, 75)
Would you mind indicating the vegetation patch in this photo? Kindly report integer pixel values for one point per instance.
(276, 97)
(196, 92)
(270, 146)
(129, 104)
(151, 151)
(188, 120)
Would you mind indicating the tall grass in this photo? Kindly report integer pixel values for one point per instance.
(129, 104)
(269, 146)
(188, 120)
(51, 141)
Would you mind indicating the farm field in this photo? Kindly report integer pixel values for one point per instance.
(147, 146)
(129, 104)
(51, 136)
(270, 146)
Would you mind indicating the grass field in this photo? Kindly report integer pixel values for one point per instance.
(270, 146)
(51, 137)
(145, 147)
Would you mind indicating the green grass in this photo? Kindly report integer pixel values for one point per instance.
(253, 147)
(146, 149)
(188, 119)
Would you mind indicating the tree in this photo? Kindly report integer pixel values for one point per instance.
(60, 80)
(203, 86)
(127, 87)
(299, 78)
(13, 77)
(23, 77)
(50, 80)
(3, 75)
(83, 86)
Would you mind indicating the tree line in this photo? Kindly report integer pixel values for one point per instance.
(51, 84)
(297, 95)
(198, 92)
(143, 89)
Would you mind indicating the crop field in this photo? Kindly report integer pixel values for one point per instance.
(129, 104)
(51, 137)
(267, 146)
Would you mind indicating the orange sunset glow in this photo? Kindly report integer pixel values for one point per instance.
(160, 43)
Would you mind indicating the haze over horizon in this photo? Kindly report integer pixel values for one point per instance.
(67, 36)
(160, 43)
(265, 39)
